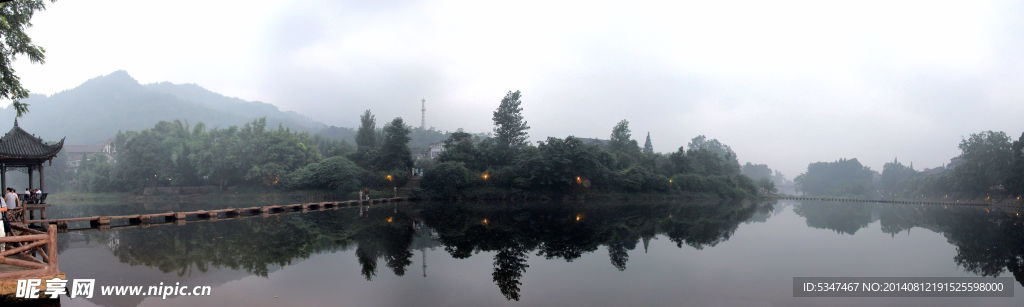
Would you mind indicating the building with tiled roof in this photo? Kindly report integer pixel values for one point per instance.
(18, 148)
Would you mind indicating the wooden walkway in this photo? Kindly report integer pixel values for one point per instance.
(883, 201)
(104, 222)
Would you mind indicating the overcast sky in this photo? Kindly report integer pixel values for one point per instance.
(783, 82)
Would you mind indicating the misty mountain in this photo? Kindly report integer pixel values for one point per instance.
(97, 109)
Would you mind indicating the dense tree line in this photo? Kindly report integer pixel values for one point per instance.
(174, 154)
(506, 164)
(840, 178)
(500, 165)
(990, 166)
(764, 176)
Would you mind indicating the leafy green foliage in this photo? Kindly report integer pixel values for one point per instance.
(172, 154)
(626, 150)
(366, 136)
(985, 159)
(895, 177)
(394, 152)
(334, 173)
(460, 147)
(16, 17)
(709, 157)
(648, 147)
(570, 166)
(989, 165)
(756, 171)
(447, 179)
(96, 173)
(509, 126)
(840, 178)
(766, 184)
(1015, 177)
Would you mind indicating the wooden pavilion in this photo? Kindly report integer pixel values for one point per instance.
(18, 148)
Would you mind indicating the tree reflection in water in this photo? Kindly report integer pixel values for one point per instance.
(567, 231)
(988, 242)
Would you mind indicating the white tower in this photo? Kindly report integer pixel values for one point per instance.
(423, 116)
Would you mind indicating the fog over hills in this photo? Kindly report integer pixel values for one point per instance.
(100, 107)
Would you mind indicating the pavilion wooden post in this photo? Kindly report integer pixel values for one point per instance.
(52, 265)
(42, 185)
(30, 186)
(3, 176)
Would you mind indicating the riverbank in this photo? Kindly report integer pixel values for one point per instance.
(502, 194)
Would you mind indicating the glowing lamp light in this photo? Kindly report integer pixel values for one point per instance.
(485, 176)
(389, 219)
(670, 180)
(389, 177)
(579, 180)
(485, 221)
(579, 217)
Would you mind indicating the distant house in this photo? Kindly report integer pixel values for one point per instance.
(596, 142)
(75, 153)
(435, 150)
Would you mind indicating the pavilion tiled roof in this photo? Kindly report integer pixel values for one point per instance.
(19, 144)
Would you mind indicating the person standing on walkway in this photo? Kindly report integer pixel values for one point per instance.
(3, 223)
(11, 197)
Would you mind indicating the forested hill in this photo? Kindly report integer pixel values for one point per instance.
(97, 109)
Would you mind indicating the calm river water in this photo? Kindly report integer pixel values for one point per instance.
(579, 254)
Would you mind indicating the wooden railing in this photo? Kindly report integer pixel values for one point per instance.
(34, 250)
(17, 214)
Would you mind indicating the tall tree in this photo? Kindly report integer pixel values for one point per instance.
(16, 16)
(895, 177)
(459, 147)
(625, 149)
(1015, 179)
(620, 139)
(709, 156)
(367, 134)
(985, 158)
(395, 152)
(648, 147)
(509, 126)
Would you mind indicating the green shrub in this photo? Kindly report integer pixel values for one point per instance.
(447, 179)
(334, 173)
